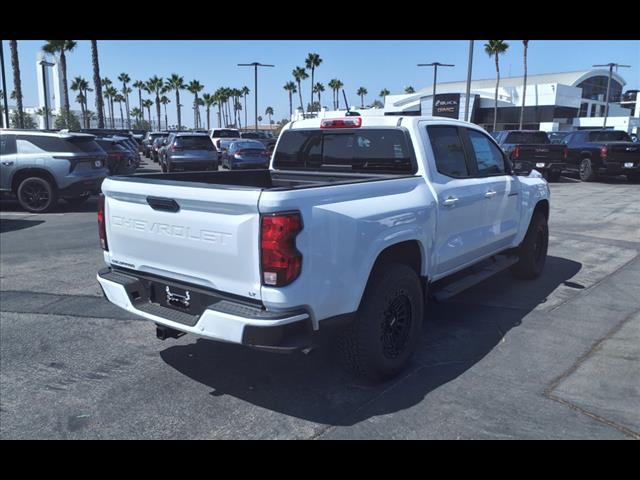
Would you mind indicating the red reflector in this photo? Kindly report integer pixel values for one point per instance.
(280, 260)
(102, 228)
(354, 122)
(516, 152)
(604, 151)
(566, 153)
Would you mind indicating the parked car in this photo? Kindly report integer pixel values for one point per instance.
(189, 151)
(40, 167)
(155, 146)
(148, 140)
(120, 160)
(245, 154)
(592, 153)
(534, 148)
(358, 222)
(217, 134)
(266, 138)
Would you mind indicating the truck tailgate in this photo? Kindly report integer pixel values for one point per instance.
(211, 240)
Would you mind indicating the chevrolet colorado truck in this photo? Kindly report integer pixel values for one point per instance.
(592, 153)
(534, 148)
(357, 222)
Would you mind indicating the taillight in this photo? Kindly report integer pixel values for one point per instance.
(102, 228)
(565, 154)
(516, 152)
(354, 122)
(280, 260)
(176, 149)
(603, 152)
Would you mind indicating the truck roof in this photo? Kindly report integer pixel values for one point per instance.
(383, 121)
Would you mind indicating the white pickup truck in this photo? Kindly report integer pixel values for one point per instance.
(357, 223)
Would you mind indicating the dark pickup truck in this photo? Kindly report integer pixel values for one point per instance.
(533, 148)
(602, 152)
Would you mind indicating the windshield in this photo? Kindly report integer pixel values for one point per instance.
(527, 137)
(609, 136)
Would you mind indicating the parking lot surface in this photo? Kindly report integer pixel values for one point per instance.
(557, 357)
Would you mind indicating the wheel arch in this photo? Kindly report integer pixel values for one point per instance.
(20, 175)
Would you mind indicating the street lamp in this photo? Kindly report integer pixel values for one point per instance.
(606, 104)
(4, 88)
(255, 65)
(44, 64)
(435, 66)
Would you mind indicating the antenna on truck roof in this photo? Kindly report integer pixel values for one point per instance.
(349, 112)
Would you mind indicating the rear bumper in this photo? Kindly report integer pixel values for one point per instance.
(618, 168)
(223, 319)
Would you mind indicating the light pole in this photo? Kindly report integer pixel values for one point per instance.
(435, 66)
(4, 88)
(44, 64)
(255, 65)
(466, 101)
(606, 102)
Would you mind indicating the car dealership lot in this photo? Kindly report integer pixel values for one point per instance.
(557, 357)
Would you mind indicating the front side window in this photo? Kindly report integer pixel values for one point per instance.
(489, 158)
(448, 151)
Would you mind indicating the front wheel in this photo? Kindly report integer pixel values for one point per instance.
(533, 249)
(378, 344)
(37, 195)
(586, 170)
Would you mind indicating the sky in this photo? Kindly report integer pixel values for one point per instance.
(374, 65)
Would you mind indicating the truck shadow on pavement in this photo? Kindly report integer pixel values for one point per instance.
(12, 224)
(456, 335)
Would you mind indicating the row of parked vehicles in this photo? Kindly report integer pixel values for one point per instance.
(588, 153)
(202, 150)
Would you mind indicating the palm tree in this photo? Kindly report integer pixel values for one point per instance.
(97, 83)
(148, 104)
(524, 85)
(76, 85)
(90, 116)
(137, 114)
(339, 86)
(290, 88)
(110, 93)
(59, 47)
(118, 97)
(312, 61)
(245, 92)
(195, 87)
(383, 93)
(409, 90)
(17, 83)
(154, 85)
(209, 100)
(106, 82)
(361, 93)
(164, 100)
(269, 111)
(176, 82)
(300, 74)
(494, 48)
(140, 85)
(124, 78)
(217, 95)
(318, 88)
(332, 86)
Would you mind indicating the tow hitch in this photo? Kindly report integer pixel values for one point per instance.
(165, 332)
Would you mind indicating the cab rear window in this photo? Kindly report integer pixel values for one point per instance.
(375, 150)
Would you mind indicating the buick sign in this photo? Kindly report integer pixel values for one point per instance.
(447, 105)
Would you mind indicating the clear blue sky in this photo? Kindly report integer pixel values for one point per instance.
(372, 64)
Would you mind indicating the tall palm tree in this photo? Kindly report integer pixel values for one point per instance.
(339, 86)
(209, 100)
(106, 82)
(409, 89)
(383, 93)
(524, 85)
(300, 74)
(318, 88)
(154, 85)
(290, 88)
(164, 100)
(17, 83)
(332, 86)
(217, 95)
(138, 115)
(195, 87)
(118, 97)
(59, 47)
(125, 79)
(269, 111)
(238, 109)
(494, 48)
(77, 86)
(140, 85)
(110, 93)
(176, 82)
(97, 83)
(245, 92)
(361, 93)
(312, 61)
(90, 116)
(148, 104)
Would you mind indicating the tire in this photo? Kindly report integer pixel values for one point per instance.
(552, 175)
(586, 170)
(77, 201)
(379, 342)
(37, 195)
(533, 249)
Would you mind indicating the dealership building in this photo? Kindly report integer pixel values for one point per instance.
(554, 102)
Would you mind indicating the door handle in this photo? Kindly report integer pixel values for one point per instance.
(450, 201)
(8, 163)
(490, 194)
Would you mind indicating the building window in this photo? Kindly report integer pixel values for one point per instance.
(593, 110)
(595, 88)
(602, 110)
(584, 108)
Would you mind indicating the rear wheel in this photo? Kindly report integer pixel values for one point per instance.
(37, 195)
(586, 170)
(533, 249)
(379, 342)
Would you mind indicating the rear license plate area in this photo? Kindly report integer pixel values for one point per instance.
(180, 298)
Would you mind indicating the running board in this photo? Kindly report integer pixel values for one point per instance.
(476, 275)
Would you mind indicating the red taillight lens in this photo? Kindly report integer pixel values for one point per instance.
(516, 152)
(354, 122)
(565, 154)
(604, 151)
(176, 149)
(280, 260)
(102, 228)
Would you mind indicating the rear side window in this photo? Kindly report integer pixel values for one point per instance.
(37, 144)
(611, 136)
(448, 151)
(194, 143)
(7, 144)
(364, 150)
(489, 157)
(539, 138)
